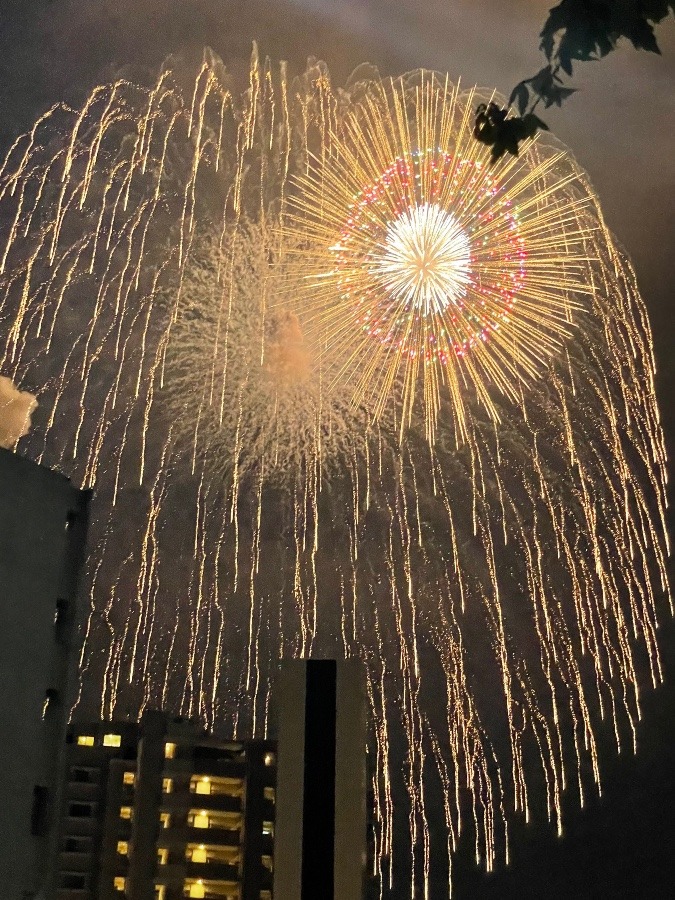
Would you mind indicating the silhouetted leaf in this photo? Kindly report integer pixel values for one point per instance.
(642, 37)
(565, 62)
(520, 95)
(532, 124)
(556, 95)
(543, 81)
(582, 30)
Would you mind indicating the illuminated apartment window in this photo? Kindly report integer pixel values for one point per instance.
(160, 892)
(202, 785)
(200, 820)
(196, 889)
(213, 853)
(112, 740)
(214, 818)
(267, 862)
(216, 784)
(268, 828)
(169, 750)
(125, 812)
(197, 855)
(123, 848)
(162, 856)
(270, 759)
(165, 819)
(119, 883)
(129, 778)
(270, 794)
(85, 740)
(167, 785)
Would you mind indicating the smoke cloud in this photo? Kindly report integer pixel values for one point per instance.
(16, 409)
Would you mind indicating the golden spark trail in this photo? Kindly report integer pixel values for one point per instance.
(343, 388)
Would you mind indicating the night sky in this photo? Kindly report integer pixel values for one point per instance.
(621, 128)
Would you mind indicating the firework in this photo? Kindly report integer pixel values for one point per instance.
(428, 266)
(342, 388)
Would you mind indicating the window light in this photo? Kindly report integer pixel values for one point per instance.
(129, 778)
(203, 786)
(123, 848)
(85, 740)
(169, 750)
(112, 740)
(119, 883)
(125, 812)
(199, 854)
(201, 820)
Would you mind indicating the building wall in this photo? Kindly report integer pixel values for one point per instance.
(173, 813)
(321, 788)
(43, 521)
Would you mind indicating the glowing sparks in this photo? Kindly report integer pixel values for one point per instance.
(343, 388)
(428, 272)
(423, 264)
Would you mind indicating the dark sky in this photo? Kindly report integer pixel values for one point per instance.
(621, 128)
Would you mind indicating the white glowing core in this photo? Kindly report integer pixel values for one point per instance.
(425, 259)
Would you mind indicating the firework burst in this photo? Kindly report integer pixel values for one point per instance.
(429, 267)
(343, 389)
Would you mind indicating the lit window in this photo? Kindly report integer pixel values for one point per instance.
(199, 854)
(267, 862)
(125, 812)
(85, 740)
(165, 819)
(213, 853)
(123, 848)
(268, 828)
(119, 883)
(162, 856)
(169, 750)
(129, 778)
(203, 786)
(270, 794)
(265, 895)
(201, 820)
(160, 892)
(196, 889)
(167, 785)
(270, 759)
(112, 740)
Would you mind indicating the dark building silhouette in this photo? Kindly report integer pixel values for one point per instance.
(161, 810)
(43, 526)
(321, 845)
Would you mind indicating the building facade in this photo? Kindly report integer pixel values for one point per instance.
(162, 811)
(322, 827)
(43, 527)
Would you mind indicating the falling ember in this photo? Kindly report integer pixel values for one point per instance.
(343, 388)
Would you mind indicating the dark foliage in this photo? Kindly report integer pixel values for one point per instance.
(575, 31)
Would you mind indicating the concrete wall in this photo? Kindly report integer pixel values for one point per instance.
(43, 523)
(320, 842)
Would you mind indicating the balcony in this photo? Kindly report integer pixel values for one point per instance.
(218, 768)
(185, 834)
(212, 870)
(74, 861)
